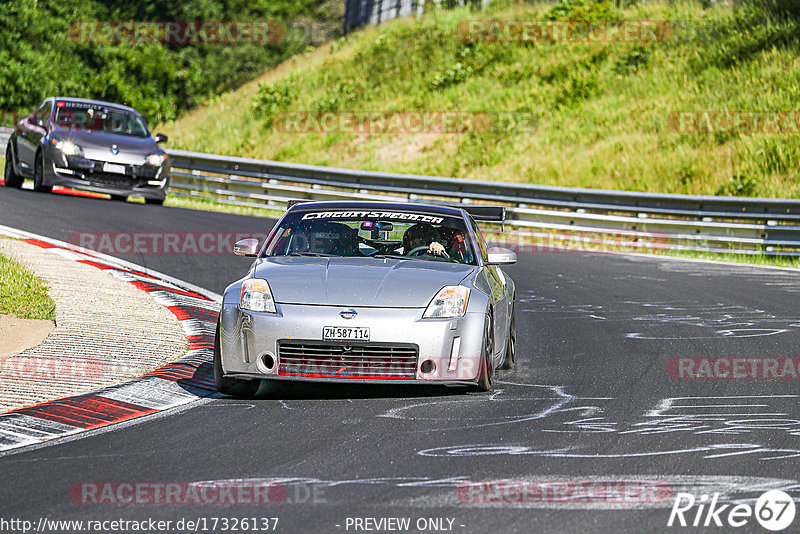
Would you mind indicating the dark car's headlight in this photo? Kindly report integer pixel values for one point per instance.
(156, 160)
(68, 148)
(256, 296)
(450, 301)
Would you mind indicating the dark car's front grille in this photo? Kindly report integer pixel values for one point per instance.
(355, 360)
(92, 171)
(109, 178)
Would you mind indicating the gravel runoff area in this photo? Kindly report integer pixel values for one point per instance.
(107, 331)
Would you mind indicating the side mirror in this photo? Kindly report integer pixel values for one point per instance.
(246, 247)
(161, 138)
(501, 256)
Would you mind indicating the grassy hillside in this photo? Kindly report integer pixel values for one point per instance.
(600, 110)
(42, 52)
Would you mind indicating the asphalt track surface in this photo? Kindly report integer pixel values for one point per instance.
(591, 400)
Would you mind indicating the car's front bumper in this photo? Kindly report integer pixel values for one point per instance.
(249, 339)
(85, 174)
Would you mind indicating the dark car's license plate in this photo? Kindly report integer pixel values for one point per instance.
(350, 333)
(116, 169)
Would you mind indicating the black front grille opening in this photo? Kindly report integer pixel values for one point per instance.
(331, 360)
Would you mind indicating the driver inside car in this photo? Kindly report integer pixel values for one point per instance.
(422, 235)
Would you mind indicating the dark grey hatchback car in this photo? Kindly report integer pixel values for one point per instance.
(89, 145)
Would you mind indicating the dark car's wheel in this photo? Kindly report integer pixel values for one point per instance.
(230, 386)
(11, 178)
(511, 347)
(487, 370)
(38, 175)
(120, 198)
(156, 201)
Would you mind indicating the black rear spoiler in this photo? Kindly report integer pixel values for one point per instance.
(485, 213)
(496, 214)
(294, 201)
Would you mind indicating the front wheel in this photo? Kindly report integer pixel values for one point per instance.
(11, 178)
(38, 175)
(487, 369)
(230, 386)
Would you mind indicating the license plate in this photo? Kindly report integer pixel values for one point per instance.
(117, 169)
(342, 333)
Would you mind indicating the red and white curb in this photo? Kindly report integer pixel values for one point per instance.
(180, 382)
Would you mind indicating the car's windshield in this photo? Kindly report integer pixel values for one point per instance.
(373, 233)
(96, 118)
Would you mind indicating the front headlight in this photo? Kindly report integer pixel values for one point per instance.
(68, 148)
(257, 296)
(156, 160)
(450, 301)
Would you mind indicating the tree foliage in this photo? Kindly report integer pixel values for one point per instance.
(39, 57)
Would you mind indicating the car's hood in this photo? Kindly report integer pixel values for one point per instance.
(338, 281)
(97, 145)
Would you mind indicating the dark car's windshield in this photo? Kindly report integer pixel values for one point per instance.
(96, 118)
(375, 233)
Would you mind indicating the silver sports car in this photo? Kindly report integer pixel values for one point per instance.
(373, 292)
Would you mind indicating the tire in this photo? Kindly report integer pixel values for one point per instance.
(119, 198)
(11, 178)
(485, 376)
(231, 386)
(511, 347)
(38, 175)
(156, 201)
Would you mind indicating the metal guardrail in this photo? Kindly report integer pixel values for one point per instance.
(537, 213)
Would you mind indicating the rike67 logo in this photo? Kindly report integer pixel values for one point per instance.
(774, 510)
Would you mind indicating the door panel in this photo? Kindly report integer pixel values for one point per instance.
(500, 305)
(31, 130)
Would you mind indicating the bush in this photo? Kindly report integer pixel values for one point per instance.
(637, 58)
(739, 185)
(272, 99)
(457, 73)
(583, 10)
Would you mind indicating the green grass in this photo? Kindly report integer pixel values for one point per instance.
(748, 259)
(600, 109)
(22, 294)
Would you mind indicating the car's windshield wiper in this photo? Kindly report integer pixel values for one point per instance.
(316, 254)
(391, 256)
